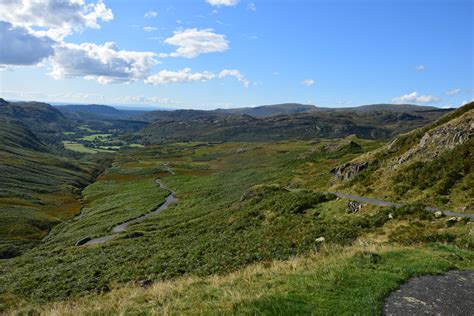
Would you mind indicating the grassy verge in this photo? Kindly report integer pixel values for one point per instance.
(336, 281)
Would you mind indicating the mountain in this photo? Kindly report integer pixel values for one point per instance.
(185, 125)
(269, 110)
(433, 164)
(34, 115)
(90, 111)
(402, 108)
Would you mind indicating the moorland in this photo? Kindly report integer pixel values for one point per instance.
(258, 226)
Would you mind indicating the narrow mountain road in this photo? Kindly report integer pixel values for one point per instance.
(170, 199)
(397, 205)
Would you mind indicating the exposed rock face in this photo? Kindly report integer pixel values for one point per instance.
(347, 145)
(353, 207)
(442, 138)
(349, 170)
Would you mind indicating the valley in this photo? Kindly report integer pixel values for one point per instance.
(231, 218)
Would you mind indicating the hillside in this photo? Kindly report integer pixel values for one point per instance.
(33, 115)
(94, 111)
(269, 110)
(214, 126)
(38, 189)
(432, 164)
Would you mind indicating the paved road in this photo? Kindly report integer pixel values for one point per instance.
(397, 205)
(448, 294)
(170, 199)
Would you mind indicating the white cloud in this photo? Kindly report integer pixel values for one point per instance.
(466, 102)
(59, 17)
(415, 97)
(150, 28)
(186, 75)
(103, 63)
(452, 92)
(236, 74)
(226, 3)
(181, 76)
(420, 67)
(251, 7)
(193, 42)
(151, 14)
(308, 82)
(24, 48)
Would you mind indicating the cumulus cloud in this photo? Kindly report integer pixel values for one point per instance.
(251, 7)
(186, 75)
(151, 14)
(415, 97)
(236, 74)
(308, 82)
(24, 48)
(225, 3)
(103, 63)
(183, 75)
(420, 67)
(194, 42)
(452, 92)
(59, 17)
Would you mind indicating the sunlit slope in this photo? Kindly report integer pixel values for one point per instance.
(432, 165)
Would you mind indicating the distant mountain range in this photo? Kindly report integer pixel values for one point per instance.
(262, 123)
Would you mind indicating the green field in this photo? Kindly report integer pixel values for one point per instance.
(83, 149)
(94, 137)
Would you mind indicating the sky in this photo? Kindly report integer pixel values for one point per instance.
(206, 54)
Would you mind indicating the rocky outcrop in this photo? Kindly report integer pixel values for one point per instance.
(348, 170)
(353, 207)
(440, 139)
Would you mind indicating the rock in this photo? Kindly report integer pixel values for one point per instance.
(83, 241)
(320, 239)
(390, 216)
(451, 221)
(353, 207)
(348, 170)
(438, 214)
(144, 283)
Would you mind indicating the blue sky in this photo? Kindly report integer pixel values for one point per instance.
(228, 53)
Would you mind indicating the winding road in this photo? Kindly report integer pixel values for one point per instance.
(397, 205)
(119, 228)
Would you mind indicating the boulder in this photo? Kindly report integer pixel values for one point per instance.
(438, 214)
(353, 207)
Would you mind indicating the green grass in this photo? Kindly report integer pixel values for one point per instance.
(335, 281)
(77, 147)
(94, 137)
(38, 188)
(238, 204)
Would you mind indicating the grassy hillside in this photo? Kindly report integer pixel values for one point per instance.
(432, 165)
(238, 204)
(38, 189)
